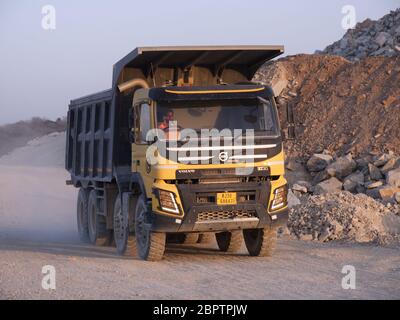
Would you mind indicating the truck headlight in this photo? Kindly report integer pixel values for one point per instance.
(280, 198)
(168, 202)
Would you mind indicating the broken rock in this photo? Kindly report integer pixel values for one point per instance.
(328, 186)
(299, 188)
(321, 176)
(292, 199)
(374, 172)
(353, 181)
(387, 193)
(342, 167)
(390, 165)
(374, 185)
(393, 178)
(318, 162)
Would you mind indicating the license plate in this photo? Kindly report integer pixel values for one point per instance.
(226, 198)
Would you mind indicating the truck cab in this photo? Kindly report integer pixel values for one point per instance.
(191, 149)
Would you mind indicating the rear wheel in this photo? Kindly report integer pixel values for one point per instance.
(260, 242)
(150, 245)
(125, 241)
(229, 241)
(82, 215)
(98, 233)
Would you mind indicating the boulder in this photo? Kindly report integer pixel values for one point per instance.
(318, 162)
(362, 163)
(374, 172)
(328, 186)
(373, 193)
(382, 38)
(387, 193)
(342, 167)
(292, 199)
(352, 181)
(304, 183)
(390, 165)
(299, 188)
(321, 176)
(393, 178)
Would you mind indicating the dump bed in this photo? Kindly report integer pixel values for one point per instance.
(89, 144)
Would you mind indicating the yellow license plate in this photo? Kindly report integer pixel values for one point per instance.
(226, 198)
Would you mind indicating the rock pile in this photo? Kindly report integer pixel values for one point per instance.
(369, 38)
(343, 216)
(377, 176)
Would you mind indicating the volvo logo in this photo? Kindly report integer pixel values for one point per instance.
(223, 156)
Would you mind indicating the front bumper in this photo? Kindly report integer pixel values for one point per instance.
(250, 214)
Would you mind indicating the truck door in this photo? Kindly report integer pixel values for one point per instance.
(142, 120)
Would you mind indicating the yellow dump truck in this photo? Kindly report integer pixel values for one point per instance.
(183, 146)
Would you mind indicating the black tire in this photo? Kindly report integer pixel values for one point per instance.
(260, 242)
(82, 215)
(229, 241)
(98, 233)
(125, 241)
(150, 245)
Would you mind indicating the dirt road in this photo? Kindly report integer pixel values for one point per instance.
(37, 228)
(298, 270)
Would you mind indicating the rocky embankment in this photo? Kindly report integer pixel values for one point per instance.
(369, 38)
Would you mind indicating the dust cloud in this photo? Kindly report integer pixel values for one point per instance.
(35, 202)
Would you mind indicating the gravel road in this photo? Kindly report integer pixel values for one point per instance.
(298, 270)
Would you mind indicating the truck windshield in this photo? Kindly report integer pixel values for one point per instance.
(254, 114)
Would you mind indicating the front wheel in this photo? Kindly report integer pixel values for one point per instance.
(229, 241)
(150, 245)
(260, 242)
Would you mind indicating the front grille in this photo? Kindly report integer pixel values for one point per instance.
(224, 215)
(222, 150)
(220, 180)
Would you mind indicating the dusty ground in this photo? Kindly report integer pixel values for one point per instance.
(37, 228)
(299, 270)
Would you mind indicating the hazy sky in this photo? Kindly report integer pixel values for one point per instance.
(41, 70)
